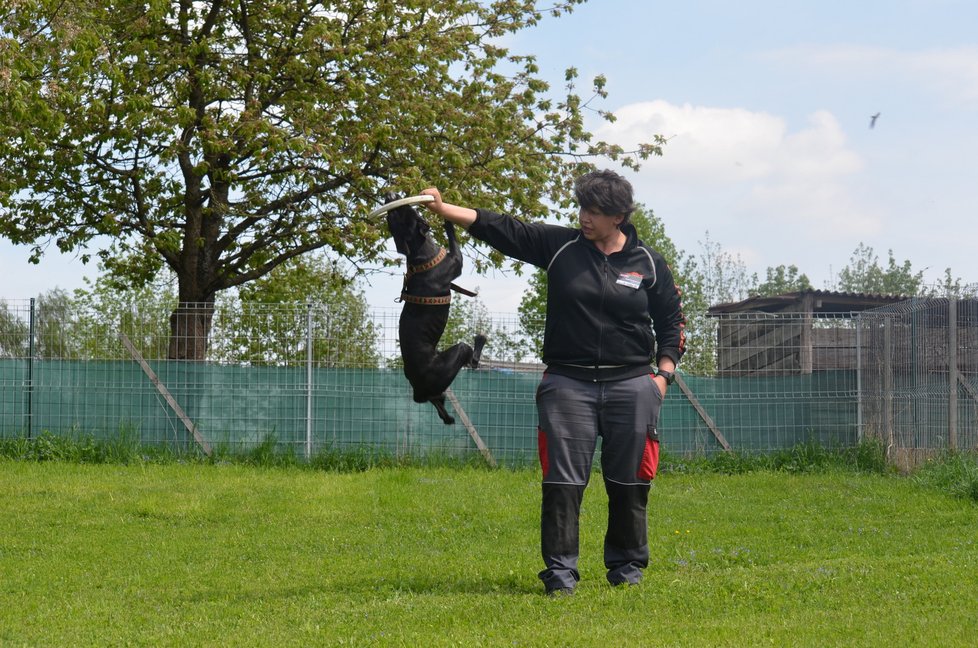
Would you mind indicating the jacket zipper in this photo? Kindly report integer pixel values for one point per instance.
(604, 291)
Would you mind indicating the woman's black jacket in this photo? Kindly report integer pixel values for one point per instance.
(601, 309)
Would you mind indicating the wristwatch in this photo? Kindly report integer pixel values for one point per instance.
(668, 375)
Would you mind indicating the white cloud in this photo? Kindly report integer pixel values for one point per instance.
(748, 167)
(817, 152)
(712, 145)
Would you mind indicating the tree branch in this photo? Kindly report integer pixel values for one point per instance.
(210, 21)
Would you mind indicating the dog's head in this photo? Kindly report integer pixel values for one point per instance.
(408, 228)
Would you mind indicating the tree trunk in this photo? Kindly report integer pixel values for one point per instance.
(190, 323)
(190, 329)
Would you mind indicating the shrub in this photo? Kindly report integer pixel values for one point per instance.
(956, 473)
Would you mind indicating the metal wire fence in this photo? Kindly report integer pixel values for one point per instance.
(919, 376)
(316, 378)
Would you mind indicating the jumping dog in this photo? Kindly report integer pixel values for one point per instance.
(427, 297)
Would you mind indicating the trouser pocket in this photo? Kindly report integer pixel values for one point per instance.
(650, 457)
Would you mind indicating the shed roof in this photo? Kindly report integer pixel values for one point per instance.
(822, 301)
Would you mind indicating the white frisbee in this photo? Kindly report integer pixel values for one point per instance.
(394, 204)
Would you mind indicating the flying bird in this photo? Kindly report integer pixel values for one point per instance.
(872, 119)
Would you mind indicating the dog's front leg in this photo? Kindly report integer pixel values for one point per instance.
(454, 267)
(450, 235)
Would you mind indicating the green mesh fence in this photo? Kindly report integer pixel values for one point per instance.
(342, 409)
(760, 414)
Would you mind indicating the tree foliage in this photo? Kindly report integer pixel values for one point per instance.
(14, 331)
(864, 274)
(272, 320)
(54, 326)
(955, 288)
(222, 139)
(107, 308)
(532, 311)
(266, 324)
(724, 274)
(85, 325)
(780, 280)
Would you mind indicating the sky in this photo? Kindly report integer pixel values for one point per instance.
(766, 106)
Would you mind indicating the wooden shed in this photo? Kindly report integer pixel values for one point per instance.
(792, 333)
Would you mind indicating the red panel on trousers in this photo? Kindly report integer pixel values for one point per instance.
(650, 459)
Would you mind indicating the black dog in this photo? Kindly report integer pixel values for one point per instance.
(427, 298)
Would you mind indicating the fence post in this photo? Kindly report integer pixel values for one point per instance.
(30, 372)
(858, 320)
(308, 381)
(806, 352)
(888, 383)
(952, 373)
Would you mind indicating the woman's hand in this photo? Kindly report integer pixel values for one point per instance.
(661, 383)
(436, 205)
(453, 213)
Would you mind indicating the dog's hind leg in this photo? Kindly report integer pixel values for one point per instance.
(480, 341)
(446, 365)
(439, 403)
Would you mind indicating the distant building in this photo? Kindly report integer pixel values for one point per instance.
(792, 333)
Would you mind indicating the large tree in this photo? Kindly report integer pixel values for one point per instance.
(222, 138)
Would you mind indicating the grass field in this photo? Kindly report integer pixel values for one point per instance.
(179, 554)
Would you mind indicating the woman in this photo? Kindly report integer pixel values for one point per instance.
(612, 308)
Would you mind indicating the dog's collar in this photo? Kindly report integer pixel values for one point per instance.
(439, 300)
(412, 270)
(426, 301)
(427, 265)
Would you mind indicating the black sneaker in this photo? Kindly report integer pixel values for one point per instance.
(560, 592)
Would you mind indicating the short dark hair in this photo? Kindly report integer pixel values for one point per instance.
(606, 191)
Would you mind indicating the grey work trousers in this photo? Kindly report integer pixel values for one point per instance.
(573, 414)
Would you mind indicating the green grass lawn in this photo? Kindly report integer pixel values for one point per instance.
(237, 555)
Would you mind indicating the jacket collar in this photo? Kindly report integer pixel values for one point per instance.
(631, 238)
